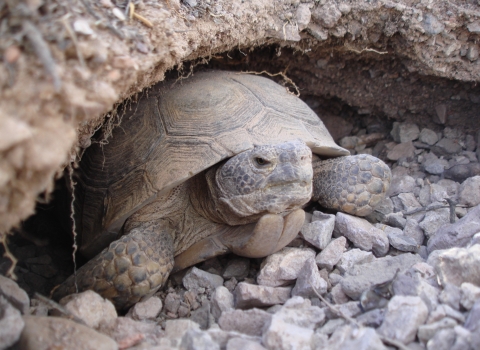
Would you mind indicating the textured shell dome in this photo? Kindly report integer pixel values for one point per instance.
(176, 130)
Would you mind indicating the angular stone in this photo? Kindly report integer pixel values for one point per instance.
(434, 220)
(11, 324)
(457, 265)
(196, 278)
(222, 300)
(243, 344)
(399, 241)
(349, 337)
(237, 267)
(403, 317)
(401, 184)
(372, 318)
(195, 339)
(470, 294)
(442, 340)
(338, 296)
(91, 308)
(327, 15)
(361, 233)
(433, 26)
(16, 296)
(433, 165)
(451, 296)
(427, 331)
(473, 319)
(331, 325)
(124, 329)
(428, 136)
(176, 329)
(249, 322)
(349, 309)
(146, 310)
(353, 258)
(402, 150)
(470, 192)
(458, 234)
(446, 147)
(462, 172)
(292, 326)
(60, 333)
(413, 283)
(250, 295)
(309, 280)
(319, 232)
(381, 270)
(284, 266)
(330, 256)
(413, 230)
(404, 132)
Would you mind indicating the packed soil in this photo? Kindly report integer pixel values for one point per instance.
(66, 64)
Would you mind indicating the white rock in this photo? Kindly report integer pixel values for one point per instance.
(249, 322)
(222, 300)
(146, 310)
(352, 258)
(319, 232)
(470, 294)
(250, 295)
(196, 278)
(94, 310)
(330, 256)
(309, 281)
(403, 317)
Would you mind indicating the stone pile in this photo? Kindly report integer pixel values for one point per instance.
(407, 276)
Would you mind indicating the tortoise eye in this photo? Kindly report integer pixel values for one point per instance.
(261, 161)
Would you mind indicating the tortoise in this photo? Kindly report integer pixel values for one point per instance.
(223, 162)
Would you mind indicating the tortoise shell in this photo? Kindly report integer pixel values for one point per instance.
(176, 130)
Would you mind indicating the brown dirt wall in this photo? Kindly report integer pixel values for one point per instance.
(66, 63)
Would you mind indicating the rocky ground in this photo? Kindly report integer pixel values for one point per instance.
(406, 278)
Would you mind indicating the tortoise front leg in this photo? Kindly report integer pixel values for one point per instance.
(132, 268)
(352, 184)
(270, 234)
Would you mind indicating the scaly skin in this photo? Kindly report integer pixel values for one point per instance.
(352, 184)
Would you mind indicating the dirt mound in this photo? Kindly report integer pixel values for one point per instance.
(65, 64)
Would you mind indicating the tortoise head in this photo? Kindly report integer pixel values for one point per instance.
(267, 179)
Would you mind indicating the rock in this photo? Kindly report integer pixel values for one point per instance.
(434, 220)
(303, 16)
(462, 172)
(353, 258)
(202, 315)
(427, 331)
(292, 326)
(349, 309)
(42, 333)
(243, 344)
(457, 265)
(331, 325)
(434, 165)
(442, 340)
(237, 267)
(349, 337)
(11, 324)
(249, 322)
(172, 303)
(409, 202)
(464, 339)
(470, 294)
(403, 317)
(284, 266)
(249, 295)
(327, 15)
(196, 278)
(469, 193)
(401, 184)
(402, 150)
(91, 308)
(16, 296)
(361, 233)
(400, 241)
(338, 296)
(458, 234)
(309, 280)
(432, 26)
(428, 136)
(451, 296)
(176, 329)
(330, 256)
(319, 232)
(396, 219)
(195, 339)
(372, 318)
(446, 147)
(126, 331)
(222, 300)
(364, 276)
(413, 230)
(473, 319)
(146, 310)
(413, 283)
(404, 132)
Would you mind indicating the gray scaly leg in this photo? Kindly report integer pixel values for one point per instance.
(352, 184)
(130, 269)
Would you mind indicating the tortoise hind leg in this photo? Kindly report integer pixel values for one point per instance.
(352, 184)
(132, 268)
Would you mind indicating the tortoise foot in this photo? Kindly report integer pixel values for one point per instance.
(131, 269)
(352, 184)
